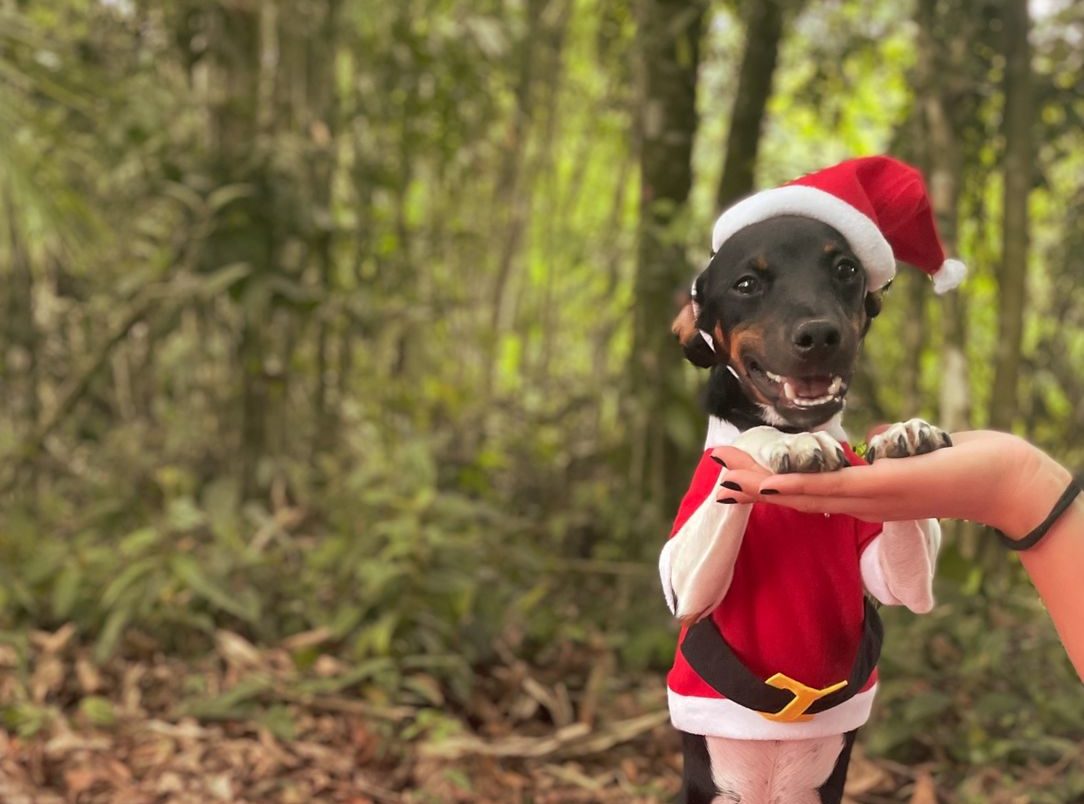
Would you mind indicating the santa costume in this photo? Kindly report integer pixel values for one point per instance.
(788, 649)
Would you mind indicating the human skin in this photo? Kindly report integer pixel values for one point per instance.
(989, 477)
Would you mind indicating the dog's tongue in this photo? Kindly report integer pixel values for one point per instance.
(811, 387)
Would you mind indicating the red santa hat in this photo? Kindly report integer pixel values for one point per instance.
(877, 203)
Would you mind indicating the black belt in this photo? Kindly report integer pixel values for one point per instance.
(708, 653)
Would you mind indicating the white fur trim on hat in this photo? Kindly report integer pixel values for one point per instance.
(870, 246)
(948, 276)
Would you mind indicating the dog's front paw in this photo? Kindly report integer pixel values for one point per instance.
(783, 453)
(912, 437)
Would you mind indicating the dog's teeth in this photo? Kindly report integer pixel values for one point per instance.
(788, 392)
(773, 377)
(837, 383)
(802, 402)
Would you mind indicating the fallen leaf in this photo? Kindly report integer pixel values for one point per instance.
(925, 790)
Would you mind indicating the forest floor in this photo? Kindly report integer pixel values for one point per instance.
(240, 726)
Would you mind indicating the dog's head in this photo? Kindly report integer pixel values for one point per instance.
(785, 306)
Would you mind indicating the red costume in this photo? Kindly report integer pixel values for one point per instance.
(796, 607)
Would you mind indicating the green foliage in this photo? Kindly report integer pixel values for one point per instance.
(982, 681)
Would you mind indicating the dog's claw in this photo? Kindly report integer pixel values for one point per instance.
(784, 453)
(914, 437)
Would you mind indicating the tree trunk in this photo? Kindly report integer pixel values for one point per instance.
(944, 165)
(23, 340)
(324, 127)
(670, 47)
(245, 51)
(1017, 126)
(763, 32)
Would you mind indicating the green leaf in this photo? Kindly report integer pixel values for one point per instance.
(66, 591)
(110, 635)
(236, 703)
(127, 578)
(98, 710)
(279, 721)
(227, 194)
(192, 575)
(221, 280)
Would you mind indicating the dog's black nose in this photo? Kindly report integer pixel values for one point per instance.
(816, 336)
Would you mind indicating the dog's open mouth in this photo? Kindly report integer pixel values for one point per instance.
(811, 391)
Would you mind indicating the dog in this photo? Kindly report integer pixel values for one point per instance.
(776, 664)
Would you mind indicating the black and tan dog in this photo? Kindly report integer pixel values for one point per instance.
(776, 664)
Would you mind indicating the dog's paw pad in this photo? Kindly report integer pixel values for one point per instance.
(912, 437)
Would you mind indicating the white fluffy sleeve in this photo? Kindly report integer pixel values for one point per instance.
(697, 563)
(898, 566)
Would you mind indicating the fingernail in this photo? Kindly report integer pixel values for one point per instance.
(727, 501)
(730, 484)
(719, 461)
(769, 491)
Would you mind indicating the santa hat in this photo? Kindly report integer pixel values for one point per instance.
(877, 203)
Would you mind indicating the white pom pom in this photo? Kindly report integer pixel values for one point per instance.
(948, 276)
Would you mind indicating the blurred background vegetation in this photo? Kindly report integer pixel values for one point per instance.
(338, 387)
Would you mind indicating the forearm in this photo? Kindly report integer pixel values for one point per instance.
(1055, 566)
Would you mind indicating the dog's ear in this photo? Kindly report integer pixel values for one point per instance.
(697, 350)
(874, 300)
(873, 308)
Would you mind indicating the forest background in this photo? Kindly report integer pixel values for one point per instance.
(341, 424)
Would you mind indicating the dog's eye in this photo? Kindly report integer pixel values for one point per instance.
(845, 269)
(747, 285)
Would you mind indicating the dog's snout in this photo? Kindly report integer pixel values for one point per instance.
(816, 336)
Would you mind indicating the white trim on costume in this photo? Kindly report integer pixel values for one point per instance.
(721, 717)
(665, 576)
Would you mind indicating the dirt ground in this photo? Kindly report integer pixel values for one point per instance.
(242, 725)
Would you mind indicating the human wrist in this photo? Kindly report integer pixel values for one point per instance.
(1028, 492)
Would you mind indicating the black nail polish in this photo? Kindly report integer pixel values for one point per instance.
(727, 501)
(730, 484)
(768, 491)
(719, 461)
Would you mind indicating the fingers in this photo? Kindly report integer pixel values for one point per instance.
(837, 484)
(819, 505)
(734, 458)
(741, 478)
(749, 480)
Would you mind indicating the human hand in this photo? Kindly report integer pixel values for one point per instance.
(989, 477)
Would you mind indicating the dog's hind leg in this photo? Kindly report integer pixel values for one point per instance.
(831, 792)
(697, 785)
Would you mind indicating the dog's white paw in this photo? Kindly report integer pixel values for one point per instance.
(783, 453)
(912, 437)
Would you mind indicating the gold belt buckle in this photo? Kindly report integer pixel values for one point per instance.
(804, 697)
